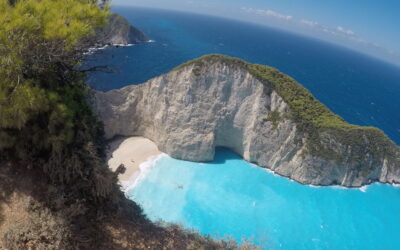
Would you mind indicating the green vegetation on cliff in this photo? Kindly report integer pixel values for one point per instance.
(44, 118)
(52, 166)
(322, 128)
(46, 126)
(274, 117)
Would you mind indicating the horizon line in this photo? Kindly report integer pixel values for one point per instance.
(393, 63)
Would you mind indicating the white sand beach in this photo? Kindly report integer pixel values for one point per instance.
(131, 152)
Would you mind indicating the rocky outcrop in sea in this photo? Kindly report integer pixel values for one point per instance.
(118, 31)
(256, 111)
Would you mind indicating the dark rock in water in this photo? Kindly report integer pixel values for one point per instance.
(121, 169)
(119, 31)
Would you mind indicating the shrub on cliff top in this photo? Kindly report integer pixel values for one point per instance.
(45, 121)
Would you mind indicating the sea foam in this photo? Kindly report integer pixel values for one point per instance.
(145, 169)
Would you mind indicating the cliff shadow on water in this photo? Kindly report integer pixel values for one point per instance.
(223, 154)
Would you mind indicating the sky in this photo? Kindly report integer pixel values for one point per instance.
(369, 26)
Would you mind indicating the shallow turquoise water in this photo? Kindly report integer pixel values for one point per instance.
(233, 197)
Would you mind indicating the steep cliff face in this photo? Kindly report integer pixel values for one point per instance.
(119, 31)
(257, 112)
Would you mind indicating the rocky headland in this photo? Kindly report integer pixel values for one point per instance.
(256, 111)
(118, 31)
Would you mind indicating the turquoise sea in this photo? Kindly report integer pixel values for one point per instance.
(232, 197)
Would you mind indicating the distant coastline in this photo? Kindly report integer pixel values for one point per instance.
(119, 32)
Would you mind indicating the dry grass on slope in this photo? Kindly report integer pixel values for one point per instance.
(35, 215)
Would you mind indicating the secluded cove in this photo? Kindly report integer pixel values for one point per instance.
(131, 153)
(230, 196)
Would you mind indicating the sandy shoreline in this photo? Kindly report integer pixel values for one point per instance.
(130, 151)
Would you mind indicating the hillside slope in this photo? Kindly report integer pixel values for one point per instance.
(56, 191)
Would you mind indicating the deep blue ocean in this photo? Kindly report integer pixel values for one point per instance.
(230, 196)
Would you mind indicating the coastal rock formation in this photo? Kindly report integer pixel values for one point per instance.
(254, 110)
(119, 31)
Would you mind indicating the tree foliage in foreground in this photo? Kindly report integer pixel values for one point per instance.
(45, 120)
(46, 124)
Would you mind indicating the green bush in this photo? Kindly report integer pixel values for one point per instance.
(275, 118)
(45, 120)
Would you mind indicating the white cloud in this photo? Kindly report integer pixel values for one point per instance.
(267, 13)
(309, 23)
(345, 31)
(338, 31)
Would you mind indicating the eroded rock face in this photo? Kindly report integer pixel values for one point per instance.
(118, 31)
(192, 110)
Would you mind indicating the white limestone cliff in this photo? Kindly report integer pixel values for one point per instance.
(194, 109)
